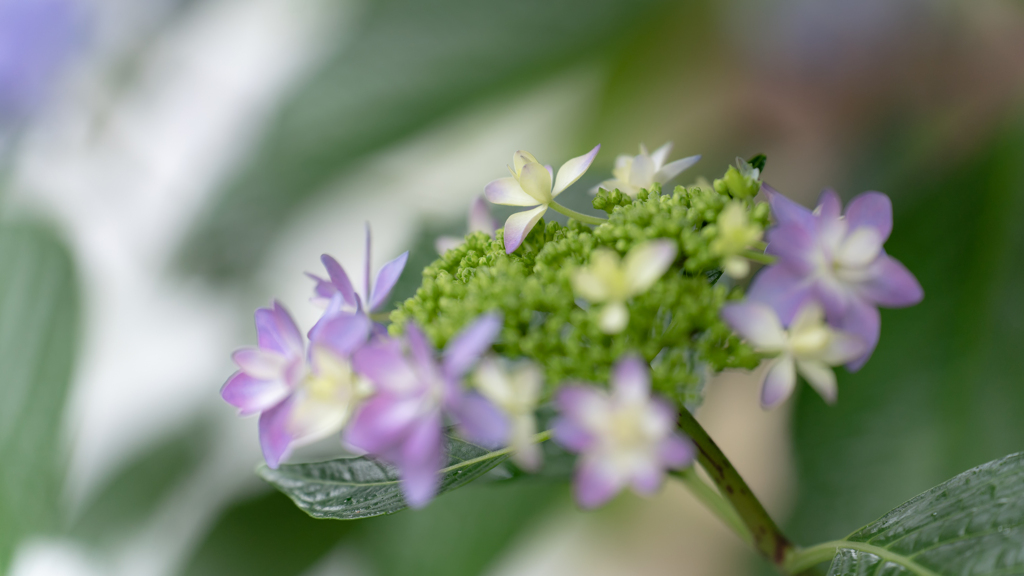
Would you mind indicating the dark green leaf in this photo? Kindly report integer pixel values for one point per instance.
(461, 534)
(972, 524)
(351, 488)
(411, 64)
(38, 328)
(134, 492)
(264, 536)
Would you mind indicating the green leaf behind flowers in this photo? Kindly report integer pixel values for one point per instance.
(351, 488)
(972, 524)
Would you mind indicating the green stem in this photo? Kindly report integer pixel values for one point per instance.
(801, 559)
(767, 538)
(758, 257)
(715, 503)
(592, 220)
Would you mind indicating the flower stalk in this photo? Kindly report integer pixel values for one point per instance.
(584, 218)
(767, 539)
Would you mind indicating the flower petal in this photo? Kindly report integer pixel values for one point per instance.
(251, 395)
(829, 207)
(466, 347)
(387, 276)
(660, 155)
(614, 317)
(261, 364)
(275, 330)
(873, 210)
(674, 168)
(507, 192)
(480, 421)
(275, 439)
(757, 323)
(480, 217)
(779, 383)
(312, 419)
(631, 379)
(382, 424)
(787, 212)
(862, 320)
(821, 377)
(641, 173)
(676, 451)
(528, 454)
(861, 247)
(843, 347)
(519, 225)
(522, 158)
(422, 458)
(342, 333)
(890, 284)
(572, 170)
(339, 279)
(384, 363)
(782, 289)
(595, 484)
(646, 263)
(421, 349)
(536, 181)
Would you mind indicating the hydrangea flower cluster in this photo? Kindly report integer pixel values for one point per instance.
(614, 324)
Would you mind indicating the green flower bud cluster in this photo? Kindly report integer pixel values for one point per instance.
(675, 324)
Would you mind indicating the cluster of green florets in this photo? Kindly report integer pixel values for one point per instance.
(675, 324)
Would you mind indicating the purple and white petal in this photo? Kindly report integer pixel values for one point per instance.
(647, 477)
(821, 377)
(795, 246)
(787, 212)
(251, 395)
(421, 349)
(782, 289)
(384, 363)
(261, 364)
(382, 423)
(465, 348)
(645, 263)
(674, 168)
(757, 323)
(422, 457)
(871, 209)
(631, 379)
(480, 421)
(890, 284)
(595, 483)
(339, 279)
(862, 320)
(275, 330)
(779, 383)
(572, 170)
(275, 436)
(676, 452)
(829, 207)
(843, 347)
(387, 276)
(519, 225)
(342, 333)
(480, 219)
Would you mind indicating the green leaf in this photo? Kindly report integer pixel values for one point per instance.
(134, 492)
(38, 329)
(264, 536)
(972, 524)
(410, 64)
(351, 488)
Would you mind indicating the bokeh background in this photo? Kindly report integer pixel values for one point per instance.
(166, 166)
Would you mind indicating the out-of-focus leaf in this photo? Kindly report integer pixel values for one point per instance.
(411, 63)
(943, 391)
(136, 491)
(972, 524)
(460, 534)
(38, 329)
(351, 488)
(264, 536)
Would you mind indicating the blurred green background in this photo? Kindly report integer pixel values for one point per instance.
(169, 165)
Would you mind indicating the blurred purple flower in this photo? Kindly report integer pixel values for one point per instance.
(37, 38)
(403, 422)
(625, 438)
(300, 398)
(836, 259)
(338, 284)
(479, 220)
